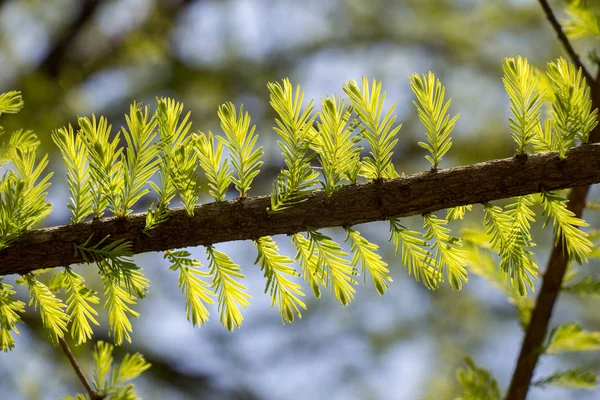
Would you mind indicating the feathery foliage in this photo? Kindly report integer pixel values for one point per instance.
(448, 252)
(433, 113)
(173, 132)
(582, 22)
(589, 286)
(105, 163)
(79, 306)
(114, 259)
(241, 140)
(332, 261)
(25, 140)
(477, 383)
(276, 267)
(572, 109)
(75, 155)
(572, 337)
(118, 302)
(510, 240)
(520, 82)
(480, 261)
(365, 254)
(112, 381)
(123, 282)
(103, 174)
(10, 309)
(103, 360)
(11, 102)
(378, 130)
(416, 256)
(217, 171)
(566, 231)
(173, 129)
(184, 174)
(308, 259)
(457, 212)
(570, 379)
(521, 214)
(295, 129)
(197, 292)
(22, 189)
(335, 145)
(52, 309)
(230, 293)
(545, 138)
(142, 157)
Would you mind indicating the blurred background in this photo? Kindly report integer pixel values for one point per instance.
(77, 57)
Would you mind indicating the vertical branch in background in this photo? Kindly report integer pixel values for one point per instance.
(564, 40)
(53, 61)
(559, 259)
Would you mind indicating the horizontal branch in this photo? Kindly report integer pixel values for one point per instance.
(353, 204)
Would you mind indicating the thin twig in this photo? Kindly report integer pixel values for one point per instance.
(558, 261)
(562, 37)
(78, 371)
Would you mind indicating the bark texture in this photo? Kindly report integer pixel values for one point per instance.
(554, 274)
(352, 204)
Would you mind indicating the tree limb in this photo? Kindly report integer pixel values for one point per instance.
(353, 204)
(541, 314)
(558, 261)
(562, 37)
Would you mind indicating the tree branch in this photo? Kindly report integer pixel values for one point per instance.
(350, 205)
(53, 61)
(78, 371)
(562, 37)
(541, 314)
(558, 261)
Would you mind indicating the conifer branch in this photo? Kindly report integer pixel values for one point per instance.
(352, 204)
(559, 257)
(542, 312)
(562, 37)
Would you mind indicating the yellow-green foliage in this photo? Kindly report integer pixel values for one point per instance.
(114, 170)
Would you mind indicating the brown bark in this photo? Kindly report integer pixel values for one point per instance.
(557, 263)
(86, 384)
(540, 317)
(353, 204)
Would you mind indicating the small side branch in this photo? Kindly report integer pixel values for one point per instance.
(93, 395)
(562, 37)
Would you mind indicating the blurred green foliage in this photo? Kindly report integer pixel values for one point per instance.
(72, 58)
